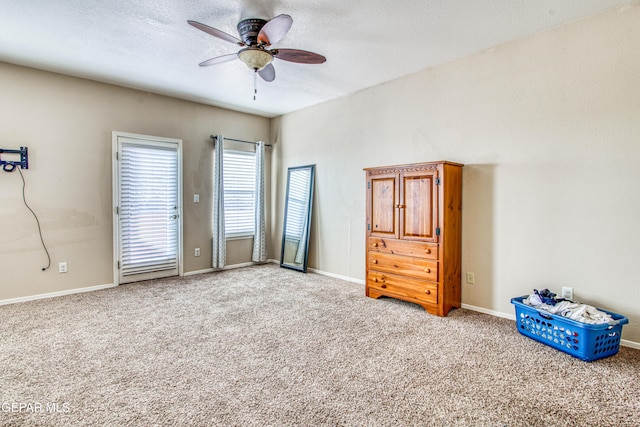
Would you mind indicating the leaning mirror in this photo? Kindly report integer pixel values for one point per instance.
(297, 218)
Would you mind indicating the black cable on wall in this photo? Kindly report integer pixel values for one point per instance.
(8, 166)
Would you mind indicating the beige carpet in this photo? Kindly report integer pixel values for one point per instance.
(265, 346)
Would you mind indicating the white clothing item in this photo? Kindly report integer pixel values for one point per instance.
(580, 312)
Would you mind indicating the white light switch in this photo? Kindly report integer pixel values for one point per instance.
(196, 198)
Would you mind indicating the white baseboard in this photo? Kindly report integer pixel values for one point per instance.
(631, 344)
(337, 276)
(326, 273)
(196, 272)
(56, 294)
(490, 312)
(244, 264)
(226, 267)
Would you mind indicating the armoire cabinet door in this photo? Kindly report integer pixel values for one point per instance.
(419, 206)
(383, 220)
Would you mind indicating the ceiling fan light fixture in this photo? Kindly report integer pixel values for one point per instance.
(255, 58)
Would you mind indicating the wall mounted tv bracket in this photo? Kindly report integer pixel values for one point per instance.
(10, 165)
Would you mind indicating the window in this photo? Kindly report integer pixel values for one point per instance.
(239, 171)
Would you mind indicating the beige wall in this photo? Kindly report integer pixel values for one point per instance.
(67, 124)
(548, 129)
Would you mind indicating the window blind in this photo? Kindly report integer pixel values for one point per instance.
(148, 208)
(239, 193)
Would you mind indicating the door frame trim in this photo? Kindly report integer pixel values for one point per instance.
(115, 179)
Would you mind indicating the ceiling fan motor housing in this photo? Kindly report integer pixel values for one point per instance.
(249, 30)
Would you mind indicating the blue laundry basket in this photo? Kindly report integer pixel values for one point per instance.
(582, 340)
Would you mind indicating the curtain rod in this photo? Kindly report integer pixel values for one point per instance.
(239, 140)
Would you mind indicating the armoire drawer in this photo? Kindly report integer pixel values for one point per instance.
(419, 268)
(403, 286)
(403, 247)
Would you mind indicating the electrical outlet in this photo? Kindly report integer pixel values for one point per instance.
(471, 278)
(567, 293)
(197, 252)
(62, 267)
(196, 198)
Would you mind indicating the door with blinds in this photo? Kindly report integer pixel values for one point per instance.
(147, 207)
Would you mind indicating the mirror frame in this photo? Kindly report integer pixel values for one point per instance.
(305, 234)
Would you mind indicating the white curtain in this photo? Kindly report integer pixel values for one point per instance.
(219, 243)
(259, 239)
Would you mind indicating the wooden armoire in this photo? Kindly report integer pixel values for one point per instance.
(414, 223)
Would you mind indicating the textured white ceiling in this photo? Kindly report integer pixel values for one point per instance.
(147, 44)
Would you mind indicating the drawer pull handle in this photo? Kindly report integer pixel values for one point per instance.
(427, 270)
(427, 251)
(375, 261)
(428, 292)
(375, 245)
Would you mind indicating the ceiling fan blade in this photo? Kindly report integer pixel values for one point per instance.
(268, 73)
(216, 33)
(299, 56)
(219, 59)
(275, 29)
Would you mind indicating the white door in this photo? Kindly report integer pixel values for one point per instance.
(147, 207)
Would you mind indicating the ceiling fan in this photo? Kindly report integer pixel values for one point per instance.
(257, 36)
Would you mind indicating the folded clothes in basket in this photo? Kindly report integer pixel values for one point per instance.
(580, 312)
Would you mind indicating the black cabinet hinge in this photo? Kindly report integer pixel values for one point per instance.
(437, 231)
(438, 181)
(368, 185)
(368, 227)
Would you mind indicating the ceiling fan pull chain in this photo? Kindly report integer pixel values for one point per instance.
(255, 83)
